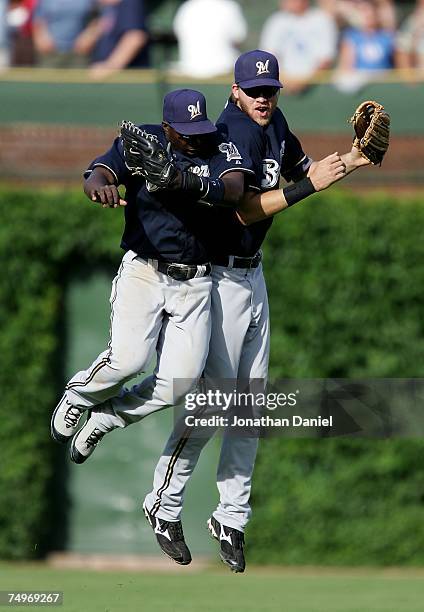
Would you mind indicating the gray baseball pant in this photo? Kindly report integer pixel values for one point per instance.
(150, 313)
(239, 348)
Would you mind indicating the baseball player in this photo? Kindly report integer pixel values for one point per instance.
(239, 345)
(160, 299)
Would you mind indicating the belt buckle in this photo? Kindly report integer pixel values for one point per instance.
(179, 272)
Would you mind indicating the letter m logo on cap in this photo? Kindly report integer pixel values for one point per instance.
(262, 67)
(194, 110)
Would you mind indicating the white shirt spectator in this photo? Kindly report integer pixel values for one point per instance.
(301, 42)
(208, 32)
(410, 39)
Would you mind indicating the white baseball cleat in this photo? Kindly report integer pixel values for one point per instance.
(65, 420)
(85, 441)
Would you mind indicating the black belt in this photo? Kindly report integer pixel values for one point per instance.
(230, 261)
(181, 272)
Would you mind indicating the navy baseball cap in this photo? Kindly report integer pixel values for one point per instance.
(185, 111)
(256, 68)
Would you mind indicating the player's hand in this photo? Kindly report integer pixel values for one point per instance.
(327, 171)
(357, 159)
(108, 196)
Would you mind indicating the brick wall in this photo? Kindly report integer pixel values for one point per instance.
(59, 154)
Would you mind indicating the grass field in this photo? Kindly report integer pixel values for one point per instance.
(258, 590)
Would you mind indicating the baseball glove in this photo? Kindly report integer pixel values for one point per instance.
(372, 131)
(145, 156)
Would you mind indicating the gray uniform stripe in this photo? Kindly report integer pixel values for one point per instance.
(98, 367)
(173, 460)
(177, 452)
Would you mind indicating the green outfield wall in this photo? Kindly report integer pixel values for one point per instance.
(49, 97)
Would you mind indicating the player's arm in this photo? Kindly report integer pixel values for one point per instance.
(320, 175)
(225, 191)
(233, 188)
(144, 155)
(104, 175)
(101, 186)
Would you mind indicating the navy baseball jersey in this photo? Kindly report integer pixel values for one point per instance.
(272, 151)
(161, 224)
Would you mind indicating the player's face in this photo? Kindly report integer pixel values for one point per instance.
(257, 102)
(197, 145)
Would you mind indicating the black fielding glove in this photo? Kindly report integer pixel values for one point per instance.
(145, 156)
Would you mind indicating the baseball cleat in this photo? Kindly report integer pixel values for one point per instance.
(231, 542)
(170, 537)
(65, 420)
(85, 441)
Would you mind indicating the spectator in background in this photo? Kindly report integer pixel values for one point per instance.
(122, 38)
(410, 40)
(20, 21)
(60, 32)
(347, 13)
(304, 39)
(4, 41)
(208, 34)
(364, 50)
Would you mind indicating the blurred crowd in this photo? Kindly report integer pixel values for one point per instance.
(354, 38)
(103, 35)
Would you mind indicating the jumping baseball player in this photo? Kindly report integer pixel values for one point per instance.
(239, 345)
(160, 299)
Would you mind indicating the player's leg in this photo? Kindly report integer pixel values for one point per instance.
(230, 320)
(238, 453)
(137, 304)
(181, 354)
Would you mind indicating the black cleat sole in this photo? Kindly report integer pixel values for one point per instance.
(55, 435)
(76, 456)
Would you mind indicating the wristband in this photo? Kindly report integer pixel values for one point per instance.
(210, 191)
(298, 191)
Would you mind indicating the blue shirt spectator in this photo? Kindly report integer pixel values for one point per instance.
(367, 46)
(364, 49)
(371, 50)
(123, 39)
(64, 20)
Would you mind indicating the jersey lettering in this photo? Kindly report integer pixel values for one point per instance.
(200, 170)
(270, 173)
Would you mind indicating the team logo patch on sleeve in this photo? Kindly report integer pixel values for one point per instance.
(231, 151)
